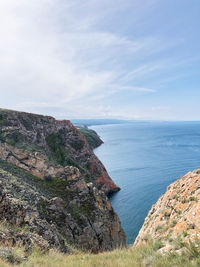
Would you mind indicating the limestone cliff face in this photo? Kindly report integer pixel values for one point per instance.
(52, 185)
(176, 215)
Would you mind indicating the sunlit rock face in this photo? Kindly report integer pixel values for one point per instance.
(176, 215)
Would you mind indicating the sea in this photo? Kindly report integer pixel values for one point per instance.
(143, 158)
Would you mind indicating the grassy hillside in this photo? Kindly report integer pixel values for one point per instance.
(147, 255)
(92, 137)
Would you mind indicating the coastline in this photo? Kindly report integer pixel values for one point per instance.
(144, 159)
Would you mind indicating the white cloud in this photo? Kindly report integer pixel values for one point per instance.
(55, 54)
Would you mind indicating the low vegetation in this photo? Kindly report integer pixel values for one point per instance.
(59, 153)
(147, 255)
(55, 187)
(92, 137)
(56, 146)
(174, 222)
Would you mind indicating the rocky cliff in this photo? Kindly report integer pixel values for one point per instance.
(52, 187)
(92, 137)
(44, 146)
(175, 218)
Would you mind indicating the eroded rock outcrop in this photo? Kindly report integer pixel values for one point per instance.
(176, 215)
(39, 144)
(52, 185)
(61, 212)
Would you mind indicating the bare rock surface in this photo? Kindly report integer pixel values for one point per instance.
(176, 215)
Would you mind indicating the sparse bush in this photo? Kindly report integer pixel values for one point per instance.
(175, 197)
(167, 214)
(174, 222)
(185, 201)
(193, 199)
(157, 245)
(185, 233)
(160, 228)
(14, 138)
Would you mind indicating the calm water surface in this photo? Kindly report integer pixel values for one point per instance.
(143, 158)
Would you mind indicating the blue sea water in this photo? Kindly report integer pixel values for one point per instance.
(143, 158)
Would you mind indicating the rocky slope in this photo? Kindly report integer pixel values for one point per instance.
(92, 137)
(44, 146)
(52, 187)
(176, 215)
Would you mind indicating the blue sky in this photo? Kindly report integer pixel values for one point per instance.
(133, 59)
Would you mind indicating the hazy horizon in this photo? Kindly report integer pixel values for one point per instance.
(99, 118)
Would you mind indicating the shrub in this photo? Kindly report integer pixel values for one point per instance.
(185, 233)
(185, 201)
(174, 222)
(157, 245)
(14, 138)
(160, 228)
(175, 197)
(193, 199)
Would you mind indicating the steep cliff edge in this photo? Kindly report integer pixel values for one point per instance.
(52, 187)
(44, 146)
(175, 216)
(92, 137)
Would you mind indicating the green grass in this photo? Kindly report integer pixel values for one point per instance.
(185, 233)
(147, 255)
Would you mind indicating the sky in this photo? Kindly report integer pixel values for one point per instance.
(130, 59)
